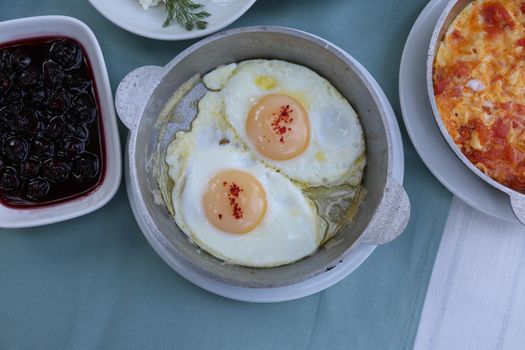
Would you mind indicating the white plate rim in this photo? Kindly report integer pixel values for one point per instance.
(172, 36)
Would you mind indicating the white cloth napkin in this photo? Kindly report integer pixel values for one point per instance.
(476, 296)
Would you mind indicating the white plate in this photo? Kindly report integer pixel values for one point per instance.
(46, 26)
(424, 132)
(129, 15)
(320, 282)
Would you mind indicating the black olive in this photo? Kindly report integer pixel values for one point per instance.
(29, 77)
(70, 146)
(56, 128)
(37, 189)
(85, 167)
(8, 120)
(66, 53)
(77, 82)
(15, 96)
(15, 149)
(5, 84)
(56, 170)
(19, 60)
(42, 148)
(79, 131)
(59, 102)
(5, 61)
(37, 98)
(9, 181)
(53, 75)
(29, 168)
(83, 110)
(30, 122)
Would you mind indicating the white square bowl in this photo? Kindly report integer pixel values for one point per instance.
(62, 26)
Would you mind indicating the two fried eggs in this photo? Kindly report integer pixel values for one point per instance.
(267, 137)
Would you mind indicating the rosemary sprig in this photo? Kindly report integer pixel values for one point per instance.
(187, 13)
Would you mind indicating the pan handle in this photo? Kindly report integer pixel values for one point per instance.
(391, 217)
(134, 92)
(517, 203)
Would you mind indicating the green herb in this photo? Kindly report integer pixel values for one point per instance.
(187, 13)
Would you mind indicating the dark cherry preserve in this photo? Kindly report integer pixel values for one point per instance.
(51, 146)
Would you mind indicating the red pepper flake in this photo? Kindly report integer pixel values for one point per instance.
(233, 196)
(225, 183)
(521, 42)
(281, 122)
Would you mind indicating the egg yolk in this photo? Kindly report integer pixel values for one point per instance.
(234, 201)
(278, 127)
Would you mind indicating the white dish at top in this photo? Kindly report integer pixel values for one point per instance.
(424, 132)
(131, 16)
(53, 26)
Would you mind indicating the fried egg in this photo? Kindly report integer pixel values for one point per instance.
(232, 205)
(293, 120)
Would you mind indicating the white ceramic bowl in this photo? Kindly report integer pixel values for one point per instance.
(129, 15)
(46, 26)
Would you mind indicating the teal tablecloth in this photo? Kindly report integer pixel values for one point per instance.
(95, 283)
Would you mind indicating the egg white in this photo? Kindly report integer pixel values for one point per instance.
(291, 228)
(335, 154)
